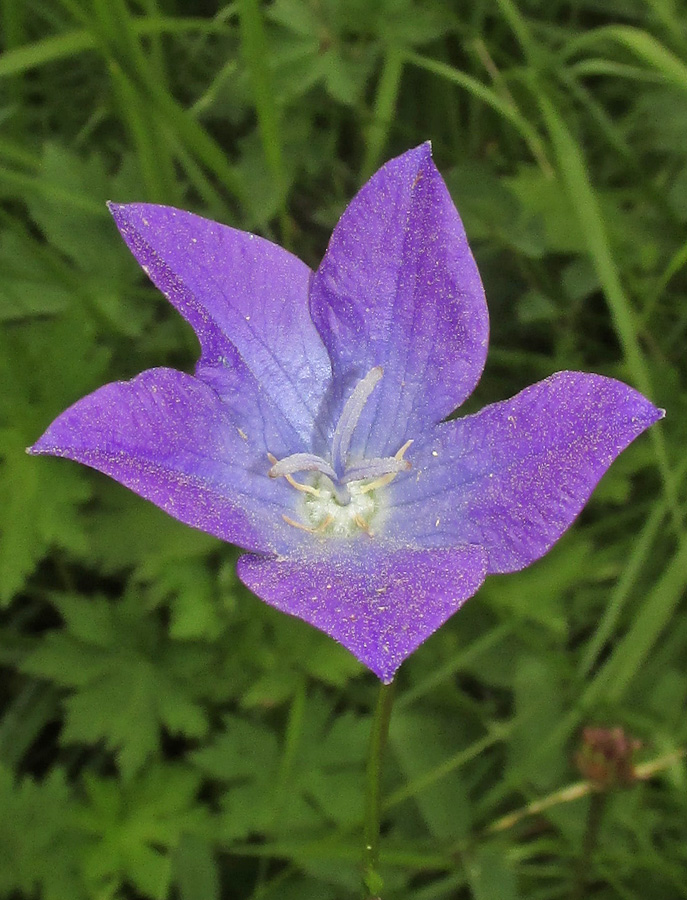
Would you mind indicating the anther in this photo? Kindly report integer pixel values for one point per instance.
(305, 488)
(362, 524)
(323, 526)
(402, 452)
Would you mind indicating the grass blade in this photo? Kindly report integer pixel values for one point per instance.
(488, 96)
(575, 179)
(385, 103)
(255, 51)
(640, 44)
(653, 618)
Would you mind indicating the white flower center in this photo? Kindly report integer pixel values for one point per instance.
(324, 512)
(344, 499)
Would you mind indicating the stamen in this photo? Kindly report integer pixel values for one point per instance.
(362, 524)
(402, 452)
(305, 488)
(380, 482)
(323, 526)
(350, 415)
(374, 468)
(389, 477)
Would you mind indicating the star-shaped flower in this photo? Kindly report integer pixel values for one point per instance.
(312, 433)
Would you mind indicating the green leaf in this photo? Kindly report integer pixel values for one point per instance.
(195, 869)
(641, 44)
(322, 782)
(295, 16)
(539, 707)
(535, 308)
(540, 593)
(544, 203)
(328, 772)
(245, 755)
(408, 24)
(129, 533)
(47, 50)
(34, 521)
(304, 888)
(256, 51)
(421, 741)
(72, 43)
(28, 286)
(49, 861)
(133, 829)
(491, 875)
(85, 233)
(127, 682)
(654, 615)
(289, 648)
(585, 206)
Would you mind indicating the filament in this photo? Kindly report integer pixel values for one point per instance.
(389, 477)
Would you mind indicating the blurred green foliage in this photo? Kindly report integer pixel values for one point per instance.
(164, 733)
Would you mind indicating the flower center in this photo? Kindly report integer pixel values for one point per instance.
(344, 497)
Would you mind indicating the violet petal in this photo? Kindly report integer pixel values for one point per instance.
(235, 286)
(168, 437)
(399, 288)
(513, 477)
(380, 603)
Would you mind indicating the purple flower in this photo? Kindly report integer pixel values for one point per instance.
(312, 433)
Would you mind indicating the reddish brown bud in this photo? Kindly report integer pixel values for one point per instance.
(605, 757)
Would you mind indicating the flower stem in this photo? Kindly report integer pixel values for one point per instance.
(597, 807)
(380, 730)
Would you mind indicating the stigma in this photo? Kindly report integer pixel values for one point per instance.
(344, 498)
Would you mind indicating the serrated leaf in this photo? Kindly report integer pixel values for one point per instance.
(327, 773)
(33, 521)
(245, 756)
(128, 683)
(323, 781)
(28, 287)
(39, 843)
(134, 828)
(84, 232)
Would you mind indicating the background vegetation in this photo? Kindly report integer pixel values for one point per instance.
(163, 732)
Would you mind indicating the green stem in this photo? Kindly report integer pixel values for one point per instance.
(373, 798)
(597, 807)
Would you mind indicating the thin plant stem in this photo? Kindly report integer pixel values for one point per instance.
(597, 807)
(642, 772)
(373, 797)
